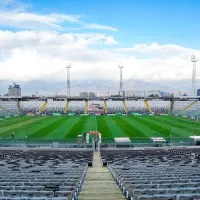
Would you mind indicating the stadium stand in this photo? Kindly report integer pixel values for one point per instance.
(55, 106)
(96, 106)
(9, 108)
(55, 175)
(136, 106)
(155, 174)
(160, 106)
(179, 108)
(31, 106)
(115, 107)
(77, 107)
(186, 108)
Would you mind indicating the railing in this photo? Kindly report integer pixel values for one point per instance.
(73, 143)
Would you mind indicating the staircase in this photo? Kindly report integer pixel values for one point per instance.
(189, 106)
(43, 107)
(99, 183)
(147, 106)
(18, 106)
(105, 107)
(66, 107)
(2, 108)
(125, 108)
(86, 107)
(171, 106)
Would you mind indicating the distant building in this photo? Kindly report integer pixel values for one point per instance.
(129, 93)
(102, 95)
(156, 93)
(122, 93)
(198, 92)
(14, 90)
(92, 95)
(83, 95)
(138, 93)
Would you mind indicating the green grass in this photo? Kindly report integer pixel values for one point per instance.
(68, 127)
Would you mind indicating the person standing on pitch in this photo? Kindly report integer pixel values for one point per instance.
(13, 135)
(84, 136)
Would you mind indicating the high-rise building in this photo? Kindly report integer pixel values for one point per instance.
(83, 95)
(129, 93)
(122, 93)
(14, 90)
(198, 92)
(92, 95)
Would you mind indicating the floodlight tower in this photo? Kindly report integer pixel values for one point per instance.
(194, 61)
(68, 79)
(121, 79)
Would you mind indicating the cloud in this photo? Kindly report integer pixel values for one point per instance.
(17, 5)
(53, 21)
(40, 52)
(30, 55)
(110, 40)
(34, 21)
(155, 49)
(14, 14)
(100, 27)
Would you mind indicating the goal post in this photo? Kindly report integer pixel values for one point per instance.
(93, 133)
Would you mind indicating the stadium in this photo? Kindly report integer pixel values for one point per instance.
(90, 136)
(174, 120)
(127, 148)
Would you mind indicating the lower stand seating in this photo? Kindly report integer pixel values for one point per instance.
(42, 175)
(155, 174)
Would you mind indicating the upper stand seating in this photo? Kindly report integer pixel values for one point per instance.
(136, 106)
(77, 107)
(55, 106)
(96, 106)
(155, 174)
(8, 108)
(159, 106)
(31, 106)
(43, 174)
(115, 107)
(194, 110)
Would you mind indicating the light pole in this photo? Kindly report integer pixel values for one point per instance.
(68, 79)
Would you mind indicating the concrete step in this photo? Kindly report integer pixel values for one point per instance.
(99, 183)
(100, 198)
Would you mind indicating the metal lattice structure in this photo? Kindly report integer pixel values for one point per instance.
(68, 79)
(194, 61)
(121, 79)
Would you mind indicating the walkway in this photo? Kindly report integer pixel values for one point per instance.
(99, 183)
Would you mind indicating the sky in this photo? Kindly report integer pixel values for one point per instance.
(152, 39)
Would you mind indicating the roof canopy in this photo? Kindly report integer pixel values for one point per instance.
(123, 140)
(158, 139)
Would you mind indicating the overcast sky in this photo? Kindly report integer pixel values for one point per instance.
(153, 39)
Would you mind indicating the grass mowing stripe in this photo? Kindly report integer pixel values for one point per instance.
(114, 129)
(17, 126)
(43, 132)
(77, 128)
(161, 128)
(14, 121)
(103, 127)
(178, 123)
(28, 128)
(128, 128)
(174, 131)
(147, 131)
(37, 126)
(60, 132)
(5, 121)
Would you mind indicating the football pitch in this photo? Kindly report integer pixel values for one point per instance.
(69, 127)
